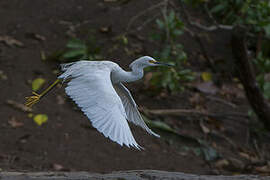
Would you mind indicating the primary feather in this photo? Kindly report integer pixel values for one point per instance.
(131, 109)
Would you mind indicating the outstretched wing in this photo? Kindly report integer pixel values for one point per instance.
(132, 112)
(91, 88)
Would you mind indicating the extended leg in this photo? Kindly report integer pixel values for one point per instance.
(31, 100)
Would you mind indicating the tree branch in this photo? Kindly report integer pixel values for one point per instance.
(247, 76)
(194, 112)
(134, 18)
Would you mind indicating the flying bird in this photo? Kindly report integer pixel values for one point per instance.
(97, 88)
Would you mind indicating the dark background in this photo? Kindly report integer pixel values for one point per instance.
(67, 141)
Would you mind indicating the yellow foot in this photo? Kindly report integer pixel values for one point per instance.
(31, 100)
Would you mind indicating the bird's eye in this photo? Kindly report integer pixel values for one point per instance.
(152, 61)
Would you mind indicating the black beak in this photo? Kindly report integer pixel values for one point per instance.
(163, 64)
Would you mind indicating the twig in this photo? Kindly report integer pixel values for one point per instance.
(179, 112)
(210, 15)
(224, 137)
(221, 101)
(198, 25)
(214, 27)
(211, 28)
(145, 23)
(164, 13)
(216, 24)
(19, 106)
(203, 50)
(197, 38)
(144, 12)
(257, 149)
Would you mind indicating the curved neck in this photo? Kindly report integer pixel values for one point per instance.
(129, 76)
(136, 73)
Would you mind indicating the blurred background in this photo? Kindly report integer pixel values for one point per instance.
(199, 107)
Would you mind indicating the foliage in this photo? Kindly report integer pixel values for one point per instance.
(263, 64)
(170, 28)
(171, 134)
(37, 83)
(256, 16)
(78, 49)
(253, 14)
(40, 119)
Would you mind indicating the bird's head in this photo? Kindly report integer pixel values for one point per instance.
(146, 61)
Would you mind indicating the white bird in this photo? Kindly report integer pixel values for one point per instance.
(96, 87)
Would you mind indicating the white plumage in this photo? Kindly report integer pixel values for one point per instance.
(96, 87)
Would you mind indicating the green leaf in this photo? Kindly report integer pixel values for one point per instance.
(76, 44)
(156, 37)
(158, 124)
(217, 8)
(250, 113)
(197, 151)
(210, 154)
(37, 83)
(74, 53)
(172, 86)
(124, 40)
(177, 32)
(160, 24)
(171, 17)
(267, 30)
(206, 76)
(266, 90)
(40, 119)
(55, 56)
(165, 54)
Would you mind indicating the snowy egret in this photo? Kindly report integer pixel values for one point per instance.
(96, 87)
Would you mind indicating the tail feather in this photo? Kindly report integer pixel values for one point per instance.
(70, 69)
(65, 66)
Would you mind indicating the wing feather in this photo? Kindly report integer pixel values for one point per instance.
(131, 109)
(90, 87)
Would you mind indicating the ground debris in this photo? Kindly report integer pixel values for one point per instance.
(10, 41)
(60, 99)
(15, 123)
(58, 167)
(3, 76)
(263, 169)
(19, 106)
(36, 36)
(207, 87)
(222, 163)
(105, 29)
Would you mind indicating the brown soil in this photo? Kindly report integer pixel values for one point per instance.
(66, 139)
